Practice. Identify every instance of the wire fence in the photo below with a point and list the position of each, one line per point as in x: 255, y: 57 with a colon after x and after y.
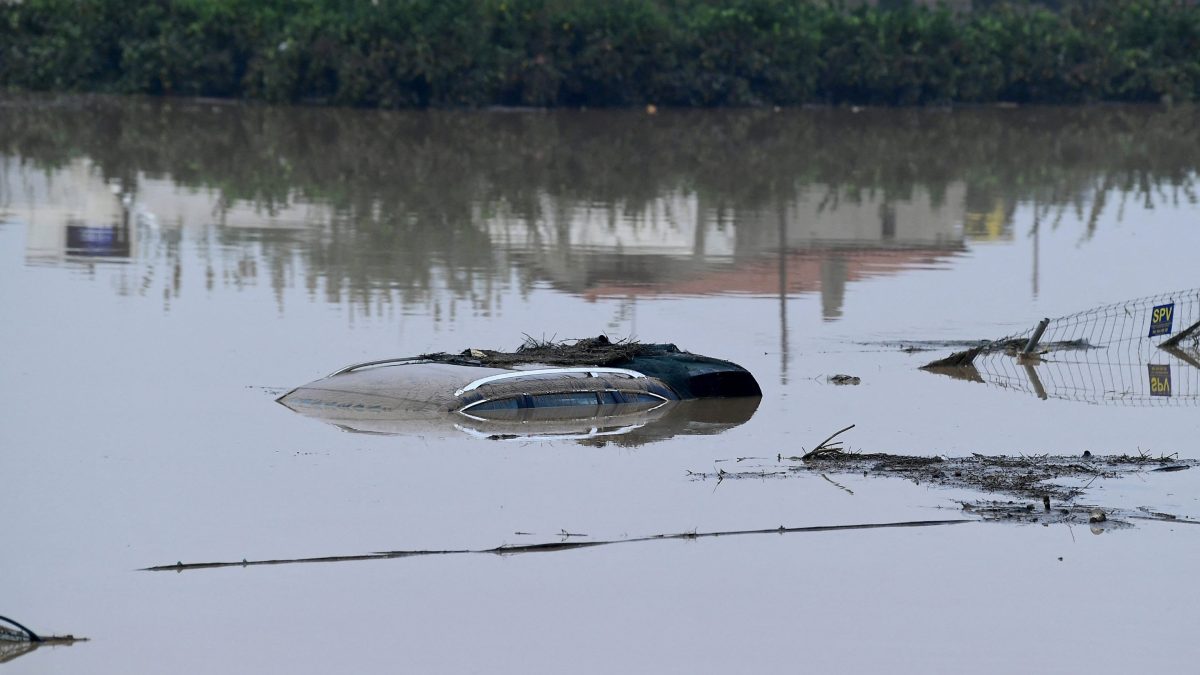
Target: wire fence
x: 1143, y: 352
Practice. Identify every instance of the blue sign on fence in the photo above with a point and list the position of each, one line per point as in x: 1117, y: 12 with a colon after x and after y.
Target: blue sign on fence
x: 1160, y: 380
x: 1160, y: 319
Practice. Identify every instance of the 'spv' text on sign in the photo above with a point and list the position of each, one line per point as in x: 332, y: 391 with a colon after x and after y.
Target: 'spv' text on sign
x: 1160, y: 319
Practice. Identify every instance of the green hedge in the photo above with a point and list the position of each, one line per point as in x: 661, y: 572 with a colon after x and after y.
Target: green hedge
x: 415, y: 53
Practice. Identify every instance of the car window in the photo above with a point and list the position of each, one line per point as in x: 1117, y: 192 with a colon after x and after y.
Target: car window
x: 510, y: 403
x: 573, y: 398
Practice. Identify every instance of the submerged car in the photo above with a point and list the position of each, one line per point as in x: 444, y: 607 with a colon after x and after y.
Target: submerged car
x: 548, y: 391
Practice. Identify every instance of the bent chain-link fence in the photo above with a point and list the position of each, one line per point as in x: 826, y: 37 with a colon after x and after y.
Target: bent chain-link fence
x: 1143, y: 352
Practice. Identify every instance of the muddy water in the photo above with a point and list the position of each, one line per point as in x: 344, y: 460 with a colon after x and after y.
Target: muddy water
x: 167, y: 268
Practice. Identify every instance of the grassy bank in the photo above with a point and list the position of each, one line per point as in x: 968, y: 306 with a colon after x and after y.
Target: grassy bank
x: 415, y: 53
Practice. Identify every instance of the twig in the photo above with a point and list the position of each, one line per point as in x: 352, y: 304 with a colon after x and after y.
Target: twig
x: 824, y: 449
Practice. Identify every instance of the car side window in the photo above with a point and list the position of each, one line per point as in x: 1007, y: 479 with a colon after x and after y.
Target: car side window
x: 572, y: 398
x: 509, y: 403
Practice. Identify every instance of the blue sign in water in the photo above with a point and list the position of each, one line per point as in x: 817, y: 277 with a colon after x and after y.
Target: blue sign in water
x: 1160, y: 319
x: 1160, y: 380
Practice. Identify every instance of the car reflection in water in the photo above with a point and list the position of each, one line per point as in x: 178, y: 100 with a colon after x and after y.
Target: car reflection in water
x: 660, y: 393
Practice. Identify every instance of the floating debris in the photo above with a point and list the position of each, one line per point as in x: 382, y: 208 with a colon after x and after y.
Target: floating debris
x: 1027, y: 514
x: 1036, y: 480
x: 597, y: 351
x: 843, y: 379
x: 1026, y: 476
x: 961, y: 359
x: 1173, y: 467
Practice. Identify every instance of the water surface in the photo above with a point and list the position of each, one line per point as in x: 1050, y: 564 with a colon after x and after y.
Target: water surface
x: 168, y: 267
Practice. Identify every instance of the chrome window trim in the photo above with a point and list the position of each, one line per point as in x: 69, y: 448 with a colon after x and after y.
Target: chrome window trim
x: 590, y: 371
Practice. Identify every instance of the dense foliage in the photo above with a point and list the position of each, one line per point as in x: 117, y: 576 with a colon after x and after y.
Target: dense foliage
x: 405, y: 53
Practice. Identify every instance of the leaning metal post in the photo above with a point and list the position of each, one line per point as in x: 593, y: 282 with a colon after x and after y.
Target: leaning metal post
x: 1037, y: 335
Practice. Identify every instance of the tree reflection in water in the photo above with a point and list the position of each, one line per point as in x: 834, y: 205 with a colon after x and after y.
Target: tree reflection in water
x: 383, y: 209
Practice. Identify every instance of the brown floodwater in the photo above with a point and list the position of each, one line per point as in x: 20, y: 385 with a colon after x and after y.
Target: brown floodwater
x: 167, y: 268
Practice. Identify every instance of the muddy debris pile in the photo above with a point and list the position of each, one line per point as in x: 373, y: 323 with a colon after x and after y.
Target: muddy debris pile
x: 1045, y: 487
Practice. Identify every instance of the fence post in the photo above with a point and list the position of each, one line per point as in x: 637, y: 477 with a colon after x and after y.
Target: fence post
x: 1037, y: 335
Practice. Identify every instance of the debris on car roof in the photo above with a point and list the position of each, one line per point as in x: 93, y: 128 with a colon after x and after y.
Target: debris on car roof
x: 597, y: 351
